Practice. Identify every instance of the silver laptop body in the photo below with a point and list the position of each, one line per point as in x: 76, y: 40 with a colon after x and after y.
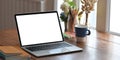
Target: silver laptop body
x: 42, y: 29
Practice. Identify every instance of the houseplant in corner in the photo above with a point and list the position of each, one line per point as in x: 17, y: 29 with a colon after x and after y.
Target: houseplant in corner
x: 87, y: 7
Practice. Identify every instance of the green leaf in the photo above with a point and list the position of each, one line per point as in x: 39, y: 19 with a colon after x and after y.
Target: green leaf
x: 72, y: 4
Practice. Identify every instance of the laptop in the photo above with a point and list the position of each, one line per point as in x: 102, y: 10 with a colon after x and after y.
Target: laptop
x: 40, y: 34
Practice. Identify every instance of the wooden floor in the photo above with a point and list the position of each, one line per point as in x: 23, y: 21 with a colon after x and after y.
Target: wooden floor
x: 97, y: 46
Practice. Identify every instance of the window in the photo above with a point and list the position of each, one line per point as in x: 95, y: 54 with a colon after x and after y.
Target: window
x: 114, y: 17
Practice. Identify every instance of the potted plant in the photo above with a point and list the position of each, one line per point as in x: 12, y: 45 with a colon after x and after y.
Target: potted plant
x: 70, y: 13
x: 87, y: 7
x: 68, y: 16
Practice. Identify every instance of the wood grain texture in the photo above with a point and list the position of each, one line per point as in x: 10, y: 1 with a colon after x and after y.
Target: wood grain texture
x: 9, y: 37
x: 97, y: 46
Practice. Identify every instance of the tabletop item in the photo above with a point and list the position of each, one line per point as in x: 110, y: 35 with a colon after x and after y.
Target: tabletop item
x: 38, y: 31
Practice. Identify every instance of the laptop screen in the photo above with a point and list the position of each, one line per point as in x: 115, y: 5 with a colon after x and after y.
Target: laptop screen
x: 38, y: 28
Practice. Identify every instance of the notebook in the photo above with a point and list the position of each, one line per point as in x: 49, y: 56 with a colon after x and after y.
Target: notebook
x: 40, y: 34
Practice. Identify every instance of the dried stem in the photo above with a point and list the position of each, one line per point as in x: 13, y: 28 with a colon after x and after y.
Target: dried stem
x: 86, y: 22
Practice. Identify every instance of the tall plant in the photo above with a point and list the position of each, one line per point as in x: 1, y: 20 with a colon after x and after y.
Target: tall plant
x: 87, y: 7
x: 68, y: 6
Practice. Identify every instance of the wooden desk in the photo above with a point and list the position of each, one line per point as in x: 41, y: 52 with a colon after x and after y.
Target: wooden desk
x: 97, y: 46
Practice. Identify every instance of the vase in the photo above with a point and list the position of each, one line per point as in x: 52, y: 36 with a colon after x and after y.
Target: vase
x: 71, y: 24
x: 72, y: 20
x: 65, y: 25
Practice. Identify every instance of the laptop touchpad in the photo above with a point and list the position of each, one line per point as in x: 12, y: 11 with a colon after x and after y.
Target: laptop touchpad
x: 52, y: 51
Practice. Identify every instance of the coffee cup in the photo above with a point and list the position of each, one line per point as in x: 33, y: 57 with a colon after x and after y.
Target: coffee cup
x: 82, y: 31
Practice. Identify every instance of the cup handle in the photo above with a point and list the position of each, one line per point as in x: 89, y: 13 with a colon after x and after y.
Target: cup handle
x: 89, y: 32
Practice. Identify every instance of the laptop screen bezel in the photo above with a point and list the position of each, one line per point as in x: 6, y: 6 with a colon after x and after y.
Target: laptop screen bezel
x: 37, y: 13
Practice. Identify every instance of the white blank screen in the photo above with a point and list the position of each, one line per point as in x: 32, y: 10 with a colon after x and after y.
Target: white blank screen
x: 38, y: 28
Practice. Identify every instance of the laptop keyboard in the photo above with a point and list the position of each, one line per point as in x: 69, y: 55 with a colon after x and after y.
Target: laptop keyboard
x: 48, y: 46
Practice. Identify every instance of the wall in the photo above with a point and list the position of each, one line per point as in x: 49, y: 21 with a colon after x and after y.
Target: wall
x: 10, y: 7
x: 49, y: 5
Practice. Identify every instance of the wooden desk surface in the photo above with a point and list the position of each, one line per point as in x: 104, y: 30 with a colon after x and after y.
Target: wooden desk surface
x: 97, y: 46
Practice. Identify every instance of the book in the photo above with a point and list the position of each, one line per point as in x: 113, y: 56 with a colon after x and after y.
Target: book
x: 18, y: 57
x: 12, y: 56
